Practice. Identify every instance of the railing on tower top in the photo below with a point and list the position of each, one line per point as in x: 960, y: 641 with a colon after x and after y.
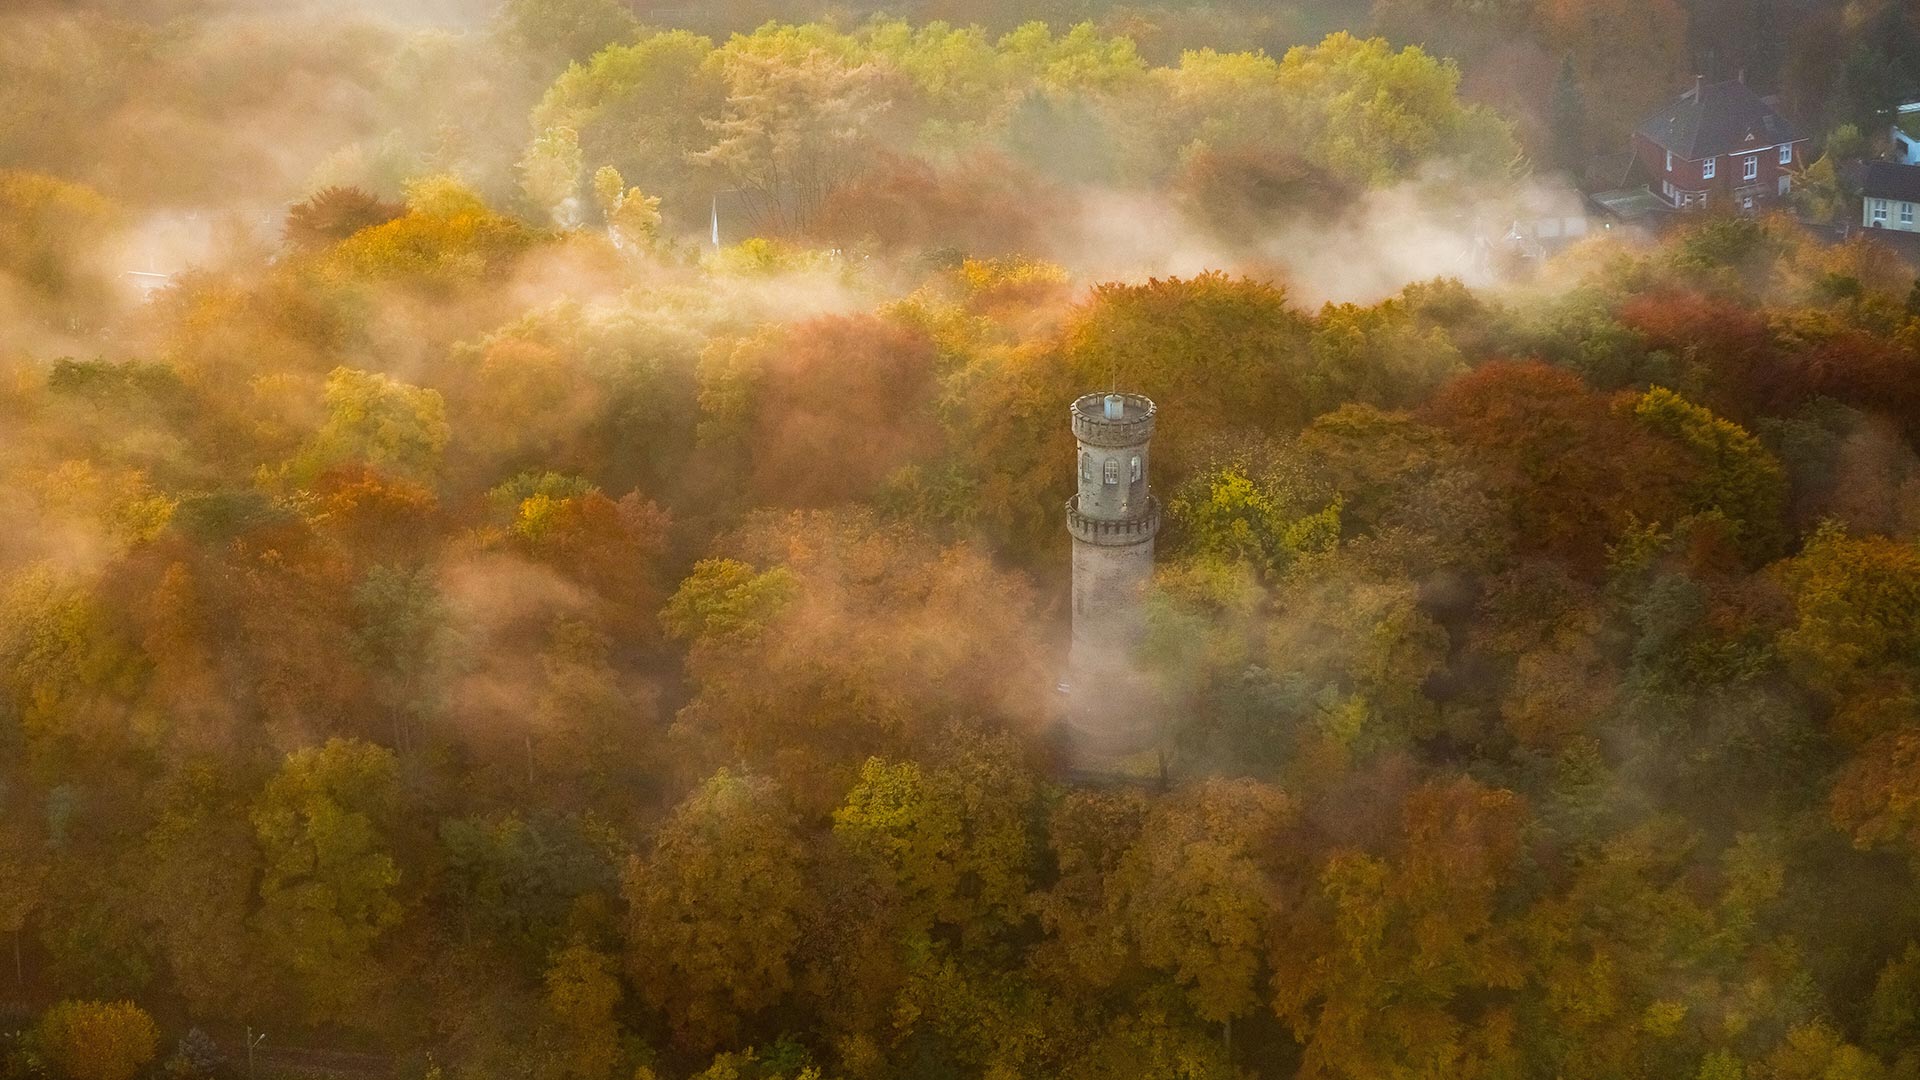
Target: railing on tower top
x: 1133, y: 427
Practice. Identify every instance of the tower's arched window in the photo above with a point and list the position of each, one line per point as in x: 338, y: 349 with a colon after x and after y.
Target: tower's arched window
x: 1113, y: 470
x: 1086, y: 465
x: 1136, y: 469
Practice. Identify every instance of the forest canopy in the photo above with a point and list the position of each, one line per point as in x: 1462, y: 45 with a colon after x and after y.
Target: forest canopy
x: 465, y: 618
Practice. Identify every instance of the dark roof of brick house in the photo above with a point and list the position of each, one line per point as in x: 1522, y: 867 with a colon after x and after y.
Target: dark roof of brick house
x: 1717, y: 118
x: 1890, y: 180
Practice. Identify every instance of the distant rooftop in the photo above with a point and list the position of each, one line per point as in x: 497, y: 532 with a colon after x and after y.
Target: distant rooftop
x: 1717, y: 118
x: 1631, y: 203
x: 1890, y: 180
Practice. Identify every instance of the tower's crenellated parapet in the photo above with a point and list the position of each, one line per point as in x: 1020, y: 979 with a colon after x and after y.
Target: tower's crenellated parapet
x: 1113, y: 518
x: 1097, y: 422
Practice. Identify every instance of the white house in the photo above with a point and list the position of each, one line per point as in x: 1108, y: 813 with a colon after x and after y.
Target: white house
x: 1890, y: 196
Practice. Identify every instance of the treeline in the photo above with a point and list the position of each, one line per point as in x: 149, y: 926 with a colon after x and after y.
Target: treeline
x: 868, y: 130
x: 885, y: 138
x: 899, y: 139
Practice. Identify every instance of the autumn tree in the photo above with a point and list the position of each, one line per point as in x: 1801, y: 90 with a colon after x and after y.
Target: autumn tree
x: 96, y: 1040
x: 1648, y: 912
x: 201, y: 865
x: 332, y: 214
x: 1736, y: 476
x: 1232, y: 351
x: 448, y: 238
x: 798, y: 119
x: 326, y: 892
x: 1404, y: 482
x: 1723, y: 353
x: 1378, y: 355
x: 985, y: 204
x: 1090, y: 835
x: 1198, y: 893
x: 380, y: 422
x: 1225, y: 514
x: 550, y: 173
x: 583, y: 1040
x: 608, y: 547
x: 1572, y: 471
x: 1375, y: 973
x: 716, y: 908
x: 47, y: 228
x: 1854, y: 629
x: 377, y: 518
x: 632, y: 216
x: 513, y: 882
x: 1373, y: 115
x: 640, y: 108
x: 954, y: 839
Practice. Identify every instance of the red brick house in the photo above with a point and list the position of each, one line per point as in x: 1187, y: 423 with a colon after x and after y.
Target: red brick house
x: 1719, y: 144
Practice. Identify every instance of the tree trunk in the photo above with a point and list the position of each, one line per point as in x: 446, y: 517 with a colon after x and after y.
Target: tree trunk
x: 19, y: 970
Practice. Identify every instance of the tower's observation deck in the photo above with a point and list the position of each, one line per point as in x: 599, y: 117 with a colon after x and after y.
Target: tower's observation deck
x: 1093, y: 425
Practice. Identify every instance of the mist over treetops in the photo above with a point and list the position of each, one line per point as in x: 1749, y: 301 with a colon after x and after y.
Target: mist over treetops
x: 536, y: 544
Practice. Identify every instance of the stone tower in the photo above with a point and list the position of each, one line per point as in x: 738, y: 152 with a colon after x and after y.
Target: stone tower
x: 1113, y: 519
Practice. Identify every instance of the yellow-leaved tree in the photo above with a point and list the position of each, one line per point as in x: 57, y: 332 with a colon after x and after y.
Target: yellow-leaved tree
x: 98, y: 1040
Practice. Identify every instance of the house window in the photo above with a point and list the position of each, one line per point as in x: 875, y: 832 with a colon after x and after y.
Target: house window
x: 1786, y: 154
x: 1879, y: 207
x: 1113, y: 470
x: 1669, y: 161
x: 1786, y: 184
x: 1746, y: 203
x: 1906, y: 214
x: 1136, y: 457
x: 1706, y: 171
x: 1753, y: 167
x: 1086, y: 466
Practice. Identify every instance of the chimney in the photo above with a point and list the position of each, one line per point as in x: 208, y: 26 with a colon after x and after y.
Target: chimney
x: 1116, y: 407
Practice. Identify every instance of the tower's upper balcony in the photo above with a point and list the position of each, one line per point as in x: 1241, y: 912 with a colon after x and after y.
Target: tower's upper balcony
x: 1113, y: 419
x: 1123, y: 532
